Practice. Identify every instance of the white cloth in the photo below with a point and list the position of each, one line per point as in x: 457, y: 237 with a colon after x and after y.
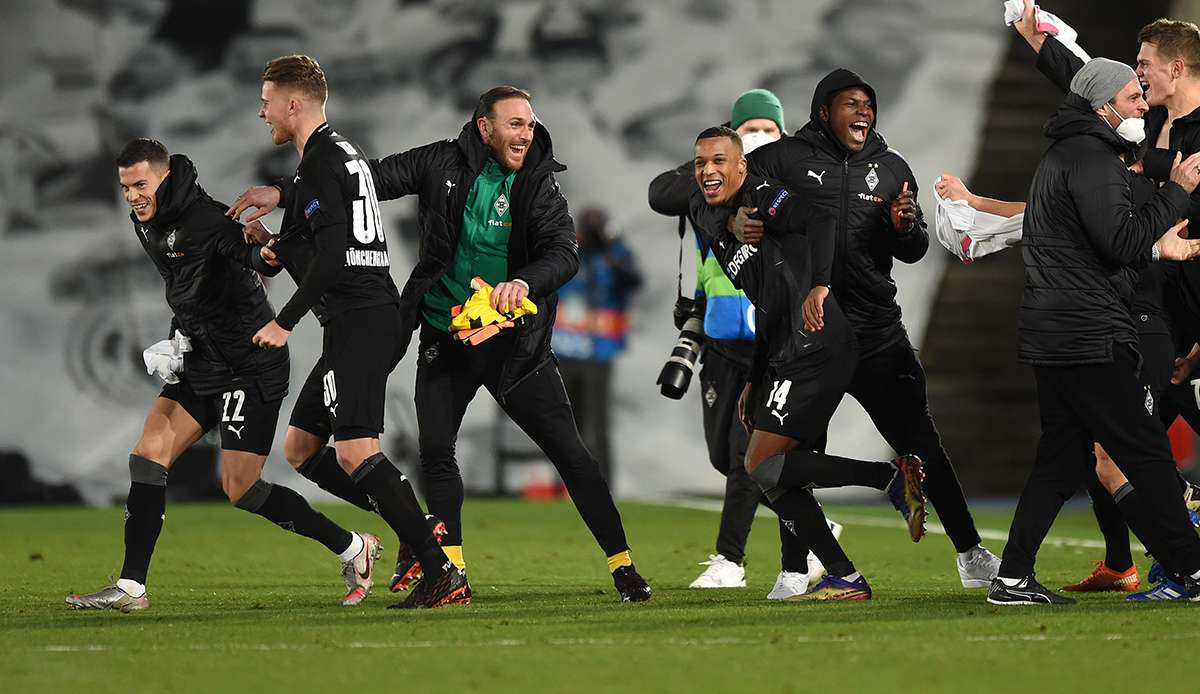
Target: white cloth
x: 968, y: 233
x: 1046, y: 23
x: 165, y: 357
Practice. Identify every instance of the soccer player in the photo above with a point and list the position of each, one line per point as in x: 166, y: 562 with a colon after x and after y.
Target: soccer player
x: 840, y: 163
x: 802, y: 372
x: 333, y: 200
x: 218, y: 302
x: 757, y: 117
x: 489, y: 207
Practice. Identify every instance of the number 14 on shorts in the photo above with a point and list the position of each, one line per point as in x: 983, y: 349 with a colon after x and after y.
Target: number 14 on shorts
x: 777, y: 400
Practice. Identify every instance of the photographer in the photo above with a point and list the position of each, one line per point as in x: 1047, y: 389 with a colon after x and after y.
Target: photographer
x: 724, y: 322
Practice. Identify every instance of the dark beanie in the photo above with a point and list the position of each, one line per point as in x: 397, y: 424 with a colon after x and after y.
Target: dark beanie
x: 756, y: 103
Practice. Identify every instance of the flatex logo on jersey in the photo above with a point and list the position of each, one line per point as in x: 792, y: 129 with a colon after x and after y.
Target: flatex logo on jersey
x: 171, y: 252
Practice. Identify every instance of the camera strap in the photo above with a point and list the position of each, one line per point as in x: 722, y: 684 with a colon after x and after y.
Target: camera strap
x: 682, y: 233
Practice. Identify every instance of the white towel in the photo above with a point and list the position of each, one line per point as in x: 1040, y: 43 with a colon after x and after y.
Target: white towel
x: 1046, y: 23
x: 968, y: 233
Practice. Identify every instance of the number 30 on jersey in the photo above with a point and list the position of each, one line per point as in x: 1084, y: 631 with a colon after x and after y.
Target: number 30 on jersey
x: 366, y: 224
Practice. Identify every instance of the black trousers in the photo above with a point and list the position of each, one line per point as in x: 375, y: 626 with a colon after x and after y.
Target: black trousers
x: 890, y: 385
x: 589, y: 387
x: 448, y: 376
x: 1157, y: 350
x: 1104, y: 403
x: 721, y: 383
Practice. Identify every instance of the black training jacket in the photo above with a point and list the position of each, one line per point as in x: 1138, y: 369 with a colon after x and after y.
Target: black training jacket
x: 1154, y: 299
x: 1081, y: 227
x: 795, y: 255
x: 858, y: 190
x: 212, y: 287
x: 541, y: 248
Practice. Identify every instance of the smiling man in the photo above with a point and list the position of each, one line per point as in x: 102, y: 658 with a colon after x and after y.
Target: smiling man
x: 841, y: 163
x: 214, y: 377
x: 348, y: 284
x: 799, y: 374
x: 489, y: 207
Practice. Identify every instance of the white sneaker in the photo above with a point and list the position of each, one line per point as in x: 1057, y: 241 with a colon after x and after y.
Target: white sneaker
x: 721, y: 573
x: 815, y: 568
x: 359, y: 572
x: 977, y: 567
x: 790, y: 585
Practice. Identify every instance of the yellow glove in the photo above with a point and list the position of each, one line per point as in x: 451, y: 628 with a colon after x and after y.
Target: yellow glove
x: 475, y: 320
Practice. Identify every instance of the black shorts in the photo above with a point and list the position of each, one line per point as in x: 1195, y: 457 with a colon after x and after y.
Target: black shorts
x: 344, y: 393
x: 246, y: 422
x: 800, y: 403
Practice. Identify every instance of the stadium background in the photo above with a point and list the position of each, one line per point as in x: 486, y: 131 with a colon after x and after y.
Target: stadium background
x: 623, y: 87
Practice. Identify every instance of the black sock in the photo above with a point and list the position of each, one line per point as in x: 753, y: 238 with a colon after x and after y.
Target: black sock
x: 290, y: 511
x: 793, y: 551
x: 803, y: 468
x: 1117, y: 555
x: 323, y: 469
x: 397, y: 504
x: 144, y: 509
x: 802, y: 515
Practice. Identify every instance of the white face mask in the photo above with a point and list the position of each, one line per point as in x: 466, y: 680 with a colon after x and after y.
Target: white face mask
x: 753, y: 140
x: 1129, y: 129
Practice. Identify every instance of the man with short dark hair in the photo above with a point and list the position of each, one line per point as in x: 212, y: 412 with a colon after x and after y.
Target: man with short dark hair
x: 729, y: 329
x: 214, y: 376
x: 489, y: 208
x: 332, y: 207
x: 802, y: 371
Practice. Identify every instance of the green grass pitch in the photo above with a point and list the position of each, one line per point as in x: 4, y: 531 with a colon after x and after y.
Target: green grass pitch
x: 238, y: 605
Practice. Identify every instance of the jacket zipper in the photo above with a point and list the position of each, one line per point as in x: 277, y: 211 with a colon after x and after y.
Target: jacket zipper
x: 839, y: 252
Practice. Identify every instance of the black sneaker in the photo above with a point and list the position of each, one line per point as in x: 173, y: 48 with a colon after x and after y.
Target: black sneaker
x: 907, y: 494
x: 631, y: 586
x: 1027, y: 592
x: 408, y: 567
x: 451, y: 588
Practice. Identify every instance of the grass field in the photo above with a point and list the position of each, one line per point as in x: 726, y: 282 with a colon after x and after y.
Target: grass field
x: 237, y: 605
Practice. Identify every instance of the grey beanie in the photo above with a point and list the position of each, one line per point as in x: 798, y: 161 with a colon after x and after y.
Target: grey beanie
x: 1100, y: 79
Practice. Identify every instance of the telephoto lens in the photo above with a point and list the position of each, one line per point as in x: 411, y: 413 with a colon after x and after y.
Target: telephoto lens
x: 676, y: 374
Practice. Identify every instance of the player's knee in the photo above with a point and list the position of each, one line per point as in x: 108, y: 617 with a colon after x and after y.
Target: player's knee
x: 297, y: 451
x: 235, y: 485
x: 153, y: 447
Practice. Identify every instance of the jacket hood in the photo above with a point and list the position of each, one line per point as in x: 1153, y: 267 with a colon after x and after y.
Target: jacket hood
x: 176, y: 193
x: 830, y: 84
x: 1075, y: 117
x: 541, y: 150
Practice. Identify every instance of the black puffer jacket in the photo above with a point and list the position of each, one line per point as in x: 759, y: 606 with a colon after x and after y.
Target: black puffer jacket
x: 858, y: 190
x: 1081, y: 227
x: 541, y: 247
x: 211, y: 287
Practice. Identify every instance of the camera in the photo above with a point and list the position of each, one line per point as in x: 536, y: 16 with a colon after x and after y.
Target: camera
x: 676, y: 374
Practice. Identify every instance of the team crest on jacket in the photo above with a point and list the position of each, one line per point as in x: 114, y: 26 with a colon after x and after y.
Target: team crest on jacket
x: 710, y: 395
x: 431, y: 353
x: 171, y: 239
x: 1149, y: 401
x: 501, y: 205
x: 872, y: 177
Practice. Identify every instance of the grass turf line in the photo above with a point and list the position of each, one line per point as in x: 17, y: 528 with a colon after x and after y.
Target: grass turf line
x: 236, y: 603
